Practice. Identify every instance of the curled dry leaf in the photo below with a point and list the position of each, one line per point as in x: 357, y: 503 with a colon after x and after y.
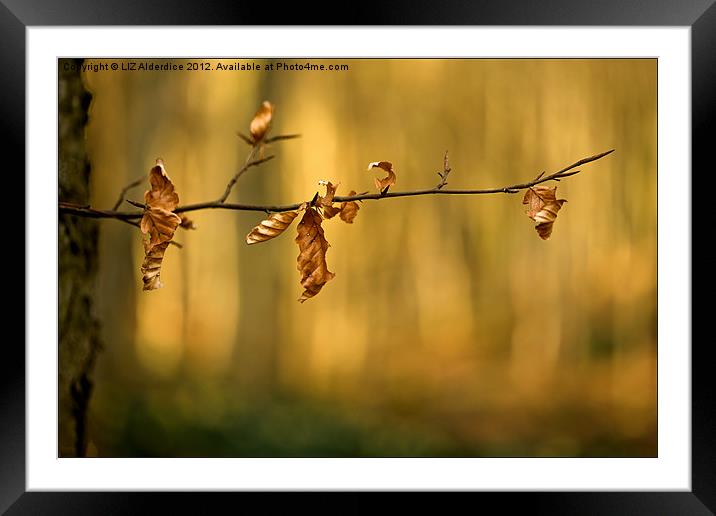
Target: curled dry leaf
x: 542, y: 207
x: 312, y: 246
x: 161, y: 192
x: 349, y: 209
x: 271, y: 227
x: 326, y: 203
x: 383, y: 184
x: 331, y: 211
x: 327, y: 200
x: 151, y: 267
x: 159, y: 222
x: 261, y: 122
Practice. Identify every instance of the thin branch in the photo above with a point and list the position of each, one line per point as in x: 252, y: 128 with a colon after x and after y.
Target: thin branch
x: 444, y: 174
x: 282, y: 137
x: 124, y: 191
x: 137, y: 204
x: 70, y: 208
x: 250, y: 141
x: 249, y: 163
x: 85, y: 211
x: 247, y: 139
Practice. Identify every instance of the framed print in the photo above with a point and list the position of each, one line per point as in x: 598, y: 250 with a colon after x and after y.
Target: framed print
x: 365, y: 258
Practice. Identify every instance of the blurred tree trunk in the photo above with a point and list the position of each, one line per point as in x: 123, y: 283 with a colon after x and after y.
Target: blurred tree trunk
x: 78, y: 327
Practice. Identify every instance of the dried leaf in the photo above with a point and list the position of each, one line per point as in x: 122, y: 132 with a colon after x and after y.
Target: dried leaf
x: 271, y: 227
x: 385, y: 165
x: 312, y: 246
x: 159, y: 222
x: 152, y: 264
x: 383, y: 184
x: 261, y: 123
x: 331, y: 211
x: 535, y: 198
x: 330, y: 193
x: 349, y: 209
x: 542, y: 207
x: 326, y: 202
x: 161, y: 194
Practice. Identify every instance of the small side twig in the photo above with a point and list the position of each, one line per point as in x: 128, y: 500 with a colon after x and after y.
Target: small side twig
x: 445, y: 172
x: 253, y: 143
x: 137, y: 204
x: 282, y: 137
x: 124, y: 191
x: 239, y: 173
x: 247, y: 139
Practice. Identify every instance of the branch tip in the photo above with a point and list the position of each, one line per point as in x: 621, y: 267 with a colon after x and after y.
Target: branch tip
x: 137, y: 204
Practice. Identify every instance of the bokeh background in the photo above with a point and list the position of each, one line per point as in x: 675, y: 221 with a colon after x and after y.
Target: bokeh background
x: 451, y: 328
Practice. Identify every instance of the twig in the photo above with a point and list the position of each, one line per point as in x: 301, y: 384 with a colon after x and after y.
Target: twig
x: 445, y: 172
x: 137, y: 204
x: 131, y: 185
x: 87, y: 211
x: 249, y: 163
x: 250, y: 141
x: 282, y: 137
x: 69, y: 208
x: 90, y: 212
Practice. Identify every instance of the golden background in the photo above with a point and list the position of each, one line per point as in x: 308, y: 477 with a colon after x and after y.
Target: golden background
x: 450, y: 329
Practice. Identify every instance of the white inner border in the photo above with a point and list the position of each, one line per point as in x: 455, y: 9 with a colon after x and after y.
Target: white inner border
x: 670, y: 471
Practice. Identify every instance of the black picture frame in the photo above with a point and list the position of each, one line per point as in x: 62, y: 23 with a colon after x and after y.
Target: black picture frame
x: 17, y: 15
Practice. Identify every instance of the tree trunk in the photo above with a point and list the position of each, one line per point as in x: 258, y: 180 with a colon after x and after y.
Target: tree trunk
x: 77, y: 249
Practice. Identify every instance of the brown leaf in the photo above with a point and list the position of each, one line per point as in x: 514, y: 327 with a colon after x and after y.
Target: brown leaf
x: 383, y: 184
x: 312, y: 246
x: 349, y: 209
x: 330, y: 193
x: 152, y: 264
x: 159, y: 222
x: 161, y: 194
x: 271, y: 227
x: 385, y: 165
x: 261, y: 123
x: 331, y: 211
x: 326, y: 203
x: 542, y: 207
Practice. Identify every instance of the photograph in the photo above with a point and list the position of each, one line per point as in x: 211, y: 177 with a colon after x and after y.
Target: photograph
x: 357, y: 257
